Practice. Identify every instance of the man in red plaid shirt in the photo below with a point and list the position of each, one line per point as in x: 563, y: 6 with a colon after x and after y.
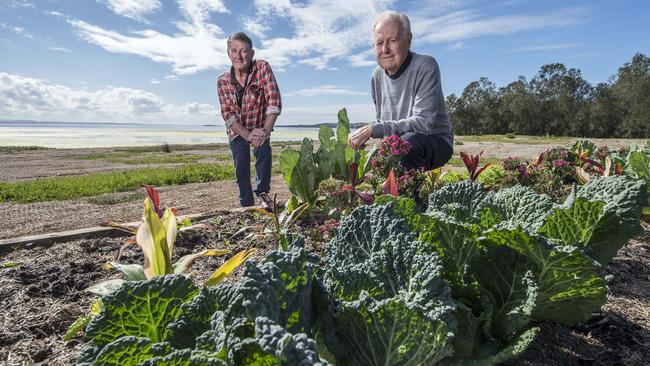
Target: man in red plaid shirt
x: 250, y: 104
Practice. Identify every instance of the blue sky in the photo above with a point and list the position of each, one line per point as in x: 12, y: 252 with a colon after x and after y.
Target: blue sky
x: 156, y: 61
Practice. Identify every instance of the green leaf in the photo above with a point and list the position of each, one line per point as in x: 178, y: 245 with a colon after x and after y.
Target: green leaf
x: 230, y: 265
x: 587, y: 226
x: 389, y: 332
x: 382, y: 276
x: 186, y: 261
x: 460, y: 201
x: 141, y: 309
x: 343, y: 127
x: 570, y: 288
x: 280, y: 289
x: 106, y: 288
x: 125, y: 351
x: 288, y: 161
x: 131, y: 272
x: 77, y: 326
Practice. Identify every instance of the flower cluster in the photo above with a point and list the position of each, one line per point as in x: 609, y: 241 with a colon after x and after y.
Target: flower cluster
x: 389, y: 152
x: 328, y: 228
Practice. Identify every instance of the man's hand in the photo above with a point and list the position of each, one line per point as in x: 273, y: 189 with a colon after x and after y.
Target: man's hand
x: 257, y: 137
x: 357, y: 140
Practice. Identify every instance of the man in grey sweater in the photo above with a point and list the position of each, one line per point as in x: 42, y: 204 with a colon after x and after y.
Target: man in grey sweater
x: 408, y: 97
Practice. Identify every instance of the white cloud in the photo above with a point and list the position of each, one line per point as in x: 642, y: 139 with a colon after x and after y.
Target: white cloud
x: 466, y: 24
x: 363, y: 59
x: 320, y: 31
x: 324, y: 90
x: 133, y: 9
x: 28, y: 98
x: 549, y: 47
x: 154, y: 81
x: 457, y: 46
x: 59, y: 49
x: 199, y: 46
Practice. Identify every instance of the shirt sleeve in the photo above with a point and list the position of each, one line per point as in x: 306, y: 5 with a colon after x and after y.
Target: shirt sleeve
x: 272, y: 90
x: 227, y: 103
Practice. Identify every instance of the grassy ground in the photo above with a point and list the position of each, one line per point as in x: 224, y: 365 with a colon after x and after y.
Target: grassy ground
x: 64, y: 188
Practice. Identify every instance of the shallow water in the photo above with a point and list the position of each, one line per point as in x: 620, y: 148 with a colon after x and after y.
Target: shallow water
x: 77, y: 135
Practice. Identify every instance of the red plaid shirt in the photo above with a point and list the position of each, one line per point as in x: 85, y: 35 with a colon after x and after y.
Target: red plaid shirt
x: 261, y: 97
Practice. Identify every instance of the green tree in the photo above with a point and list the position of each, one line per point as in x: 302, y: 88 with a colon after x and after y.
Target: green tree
x: 632, y: 88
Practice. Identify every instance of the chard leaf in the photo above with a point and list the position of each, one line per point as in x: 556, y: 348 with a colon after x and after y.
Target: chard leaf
x: 230, y: 265
x: 186, y: 261
x: 288, y: 161
x: 343, y: 127
x: 570, y: 288
x: 106, y: 288
x: 131, y: 272
x: 325, y: 155
x: 141, y: 309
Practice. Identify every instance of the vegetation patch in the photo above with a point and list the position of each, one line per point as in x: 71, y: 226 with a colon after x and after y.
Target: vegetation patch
x: 64, y: 188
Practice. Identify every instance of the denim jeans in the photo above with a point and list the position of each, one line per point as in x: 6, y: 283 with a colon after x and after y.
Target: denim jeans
x: 241, y: 155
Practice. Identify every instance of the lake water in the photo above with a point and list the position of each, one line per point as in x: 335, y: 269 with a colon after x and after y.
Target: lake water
x: 76, y: 135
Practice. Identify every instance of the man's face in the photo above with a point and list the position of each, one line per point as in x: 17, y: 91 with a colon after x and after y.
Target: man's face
x: 240, y: 55
x: 391, y: 46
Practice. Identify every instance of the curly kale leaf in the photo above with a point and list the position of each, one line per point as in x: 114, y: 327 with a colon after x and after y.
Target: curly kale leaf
x: 197, y: 313
x: 281, y: 289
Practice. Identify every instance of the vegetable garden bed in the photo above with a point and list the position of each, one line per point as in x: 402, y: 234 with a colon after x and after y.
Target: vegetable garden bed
x: 42, y: 294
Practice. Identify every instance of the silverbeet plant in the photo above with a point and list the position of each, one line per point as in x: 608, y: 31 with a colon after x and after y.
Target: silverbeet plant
x: 156, y: 237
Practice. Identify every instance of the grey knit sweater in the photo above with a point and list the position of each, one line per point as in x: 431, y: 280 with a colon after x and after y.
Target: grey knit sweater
x: 412, y: 102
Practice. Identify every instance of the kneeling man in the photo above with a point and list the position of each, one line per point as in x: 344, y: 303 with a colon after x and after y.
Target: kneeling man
x: 408, y: 97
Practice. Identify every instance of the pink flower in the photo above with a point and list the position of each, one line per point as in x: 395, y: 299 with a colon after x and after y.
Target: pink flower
x: 560, y: 163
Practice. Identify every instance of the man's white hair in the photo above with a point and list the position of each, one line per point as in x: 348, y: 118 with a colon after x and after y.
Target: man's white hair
x: 393, y: 16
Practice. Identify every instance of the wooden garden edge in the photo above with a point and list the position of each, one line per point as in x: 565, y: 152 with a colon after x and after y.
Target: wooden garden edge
x: 32, y: 241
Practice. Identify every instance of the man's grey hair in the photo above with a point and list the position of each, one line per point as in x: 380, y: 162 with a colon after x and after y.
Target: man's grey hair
x: 394, y: 16
x: 242, y: 37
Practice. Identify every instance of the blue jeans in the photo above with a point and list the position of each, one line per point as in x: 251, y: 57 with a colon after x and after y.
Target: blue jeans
x: 241, y: 155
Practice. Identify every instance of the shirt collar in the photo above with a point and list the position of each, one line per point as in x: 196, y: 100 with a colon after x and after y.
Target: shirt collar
x: 233, y: 78
x: 402, y: 68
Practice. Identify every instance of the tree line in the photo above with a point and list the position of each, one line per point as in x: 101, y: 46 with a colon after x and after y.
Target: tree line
x: 559, y: 102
